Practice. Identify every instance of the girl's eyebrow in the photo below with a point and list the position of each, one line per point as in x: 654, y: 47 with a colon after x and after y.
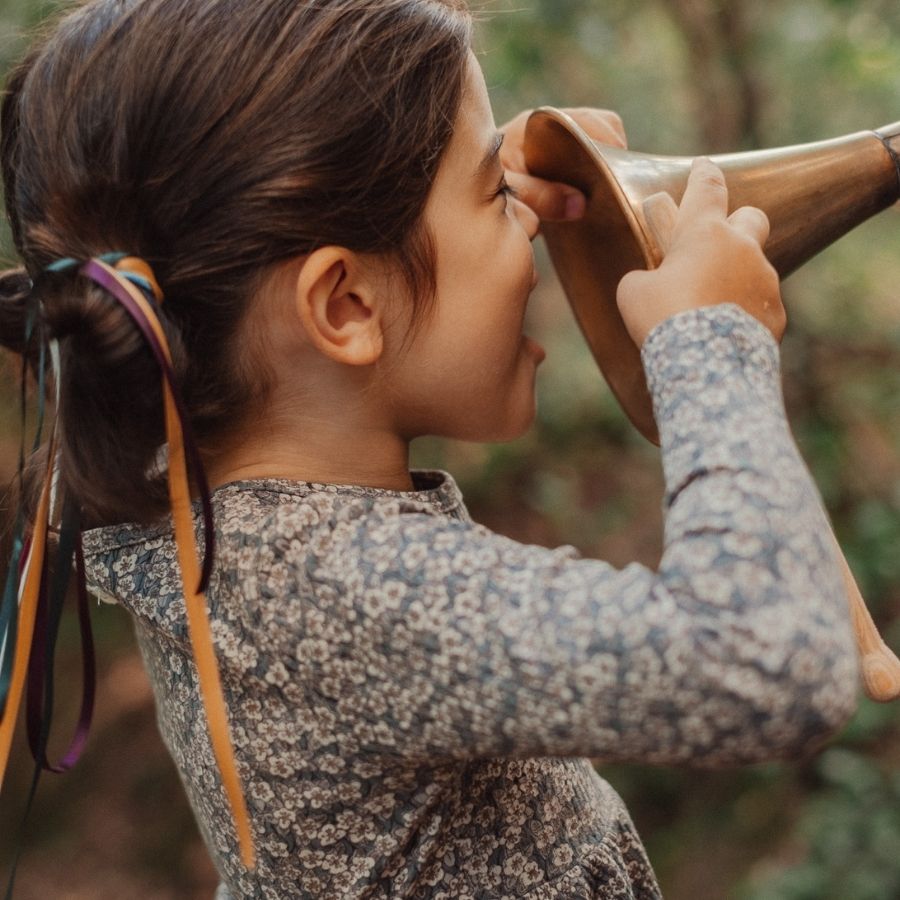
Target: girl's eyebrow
x: 490, y: 156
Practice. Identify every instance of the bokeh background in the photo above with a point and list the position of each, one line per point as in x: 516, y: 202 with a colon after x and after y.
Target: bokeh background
x: 687, y: 76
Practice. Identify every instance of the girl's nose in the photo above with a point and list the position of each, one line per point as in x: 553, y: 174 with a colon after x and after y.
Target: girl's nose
x: 528, y: 219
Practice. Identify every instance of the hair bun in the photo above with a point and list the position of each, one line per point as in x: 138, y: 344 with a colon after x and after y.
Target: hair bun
x: 15, y: 289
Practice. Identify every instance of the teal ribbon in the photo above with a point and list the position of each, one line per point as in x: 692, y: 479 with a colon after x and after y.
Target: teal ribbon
x: 9, y: 611
x: 68, y: 262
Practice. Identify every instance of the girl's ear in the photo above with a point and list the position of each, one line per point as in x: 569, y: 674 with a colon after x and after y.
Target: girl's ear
x: 339, y: 306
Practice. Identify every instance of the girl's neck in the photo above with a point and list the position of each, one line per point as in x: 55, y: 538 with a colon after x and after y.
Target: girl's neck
x: 326, y: 456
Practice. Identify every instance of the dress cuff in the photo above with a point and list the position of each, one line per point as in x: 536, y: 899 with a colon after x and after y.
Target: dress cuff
x: 697, y: 349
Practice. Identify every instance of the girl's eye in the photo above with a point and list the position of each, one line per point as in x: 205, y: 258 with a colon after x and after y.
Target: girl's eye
x: 506, y: 191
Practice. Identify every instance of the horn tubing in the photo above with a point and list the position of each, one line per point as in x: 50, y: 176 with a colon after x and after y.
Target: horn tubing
x: 886, y: 141
x: 591, y: 256
x: 880, y: 668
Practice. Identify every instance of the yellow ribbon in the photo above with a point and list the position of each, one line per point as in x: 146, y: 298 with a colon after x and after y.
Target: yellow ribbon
x: 188, y: 562
x: 27, y: 612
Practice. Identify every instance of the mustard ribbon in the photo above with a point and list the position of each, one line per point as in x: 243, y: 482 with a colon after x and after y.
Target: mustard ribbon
x: 187, y: 553
x: 29, y: 593
x: 188, y: 562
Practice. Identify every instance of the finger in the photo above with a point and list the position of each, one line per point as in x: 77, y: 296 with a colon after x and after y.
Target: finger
x: 602, y: 125
x: 706, y: 193
x: 512, y: 152
x: 661, y: 214
x: 551, y: 200
x: 618, y: 127
x: 753, y: 222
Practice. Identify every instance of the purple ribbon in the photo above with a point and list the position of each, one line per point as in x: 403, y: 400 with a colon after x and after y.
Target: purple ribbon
x: 110, y: 283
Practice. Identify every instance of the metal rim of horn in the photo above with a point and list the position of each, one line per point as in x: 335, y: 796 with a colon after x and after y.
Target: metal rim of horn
x: 812, y: 193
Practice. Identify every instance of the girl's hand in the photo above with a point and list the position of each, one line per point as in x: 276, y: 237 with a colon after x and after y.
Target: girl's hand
x: 709, y: 258
x: 550, y: 199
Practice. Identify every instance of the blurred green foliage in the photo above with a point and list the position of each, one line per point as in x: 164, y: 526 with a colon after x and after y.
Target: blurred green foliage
x: 703, y: 76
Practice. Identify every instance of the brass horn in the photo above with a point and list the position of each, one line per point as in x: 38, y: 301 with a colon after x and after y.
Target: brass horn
x: 812, y: 193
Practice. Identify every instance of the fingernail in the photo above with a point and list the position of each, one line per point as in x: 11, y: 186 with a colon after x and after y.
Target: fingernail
x: 575, y: 205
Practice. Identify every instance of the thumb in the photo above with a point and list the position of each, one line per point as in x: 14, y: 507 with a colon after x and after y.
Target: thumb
x: 661, y: 214
x: 550, y: 200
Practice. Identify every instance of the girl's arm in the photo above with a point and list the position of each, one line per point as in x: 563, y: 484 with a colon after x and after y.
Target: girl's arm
x: 440, y: 639
x: 436, y: 638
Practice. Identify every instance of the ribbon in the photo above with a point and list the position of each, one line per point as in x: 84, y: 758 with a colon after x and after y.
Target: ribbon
x: 178, y: 436
x: 35, y: 622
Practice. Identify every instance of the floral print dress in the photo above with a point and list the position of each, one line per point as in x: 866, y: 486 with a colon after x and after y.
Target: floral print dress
x: 414, y: 698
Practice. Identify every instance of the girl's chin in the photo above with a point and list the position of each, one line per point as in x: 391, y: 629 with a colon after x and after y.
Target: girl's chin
x: 518, y: 427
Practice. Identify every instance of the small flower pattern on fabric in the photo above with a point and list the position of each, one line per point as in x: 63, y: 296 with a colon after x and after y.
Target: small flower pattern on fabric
x: 414, y: 698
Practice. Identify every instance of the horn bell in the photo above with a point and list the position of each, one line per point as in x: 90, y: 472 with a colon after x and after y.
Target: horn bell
x: 812, y: 193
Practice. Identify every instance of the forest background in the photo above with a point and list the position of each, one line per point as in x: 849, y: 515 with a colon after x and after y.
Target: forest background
x: 688, y: 77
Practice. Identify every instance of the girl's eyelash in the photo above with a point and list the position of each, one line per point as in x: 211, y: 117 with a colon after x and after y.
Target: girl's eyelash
x: 506, y: 188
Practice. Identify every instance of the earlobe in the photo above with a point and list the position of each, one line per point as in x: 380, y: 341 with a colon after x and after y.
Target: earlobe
x: 337, y: 307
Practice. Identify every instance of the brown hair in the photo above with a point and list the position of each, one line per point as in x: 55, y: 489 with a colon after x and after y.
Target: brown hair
x: 215, y: 139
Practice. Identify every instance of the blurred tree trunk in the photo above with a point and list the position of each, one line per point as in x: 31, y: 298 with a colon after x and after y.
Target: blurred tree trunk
x: 719, y: 38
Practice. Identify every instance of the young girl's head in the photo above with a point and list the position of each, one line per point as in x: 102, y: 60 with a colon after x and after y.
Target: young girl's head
x: 313, y: 185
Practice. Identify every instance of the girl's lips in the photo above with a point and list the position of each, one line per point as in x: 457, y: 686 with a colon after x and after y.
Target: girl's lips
x: 532, y: 345
x: 534, y: 348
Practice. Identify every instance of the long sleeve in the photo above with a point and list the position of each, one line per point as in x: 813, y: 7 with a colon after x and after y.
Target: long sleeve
x: 428, y: 638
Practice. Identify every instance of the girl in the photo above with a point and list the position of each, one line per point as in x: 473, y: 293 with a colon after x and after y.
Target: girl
x: 325, y: 261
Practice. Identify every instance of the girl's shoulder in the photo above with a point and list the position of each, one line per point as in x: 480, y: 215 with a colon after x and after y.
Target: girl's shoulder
x: 255, y: 520
x: 251, y: 506
x: 259, y: 522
